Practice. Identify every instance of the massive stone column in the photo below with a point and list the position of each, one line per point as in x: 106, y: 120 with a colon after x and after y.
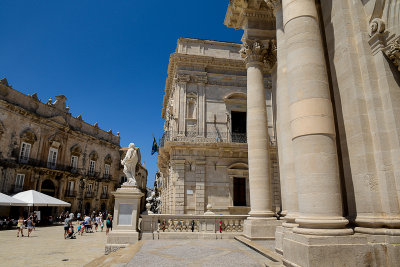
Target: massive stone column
x: 254, y: 51
x: 312, y: 123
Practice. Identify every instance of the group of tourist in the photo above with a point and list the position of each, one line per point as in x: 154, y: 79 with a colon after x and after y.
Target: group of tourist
x: 29, y: 223
x: 86, y: 224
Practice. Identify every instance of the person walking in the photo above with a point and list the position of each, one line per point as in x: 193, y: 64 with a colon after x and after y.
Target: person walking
x: 108, y: 223
x: 66, y: 226
x: 20, y: 226
x: 29, y: 224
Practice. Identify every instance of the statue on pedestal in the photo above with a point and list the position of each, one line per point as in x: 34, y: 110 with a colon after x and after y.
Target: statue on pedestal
x: 130, y: 162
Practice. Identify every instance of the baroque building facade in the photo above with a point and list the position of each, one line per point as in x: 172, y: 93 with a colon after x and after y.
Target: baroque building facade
x: 203, y: 154
x: 335, y: 69
x: 44, y: 148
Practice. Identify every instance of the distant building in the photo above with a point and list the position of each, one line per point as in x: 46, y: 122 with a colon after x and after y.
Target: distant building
x: 42, y: 147
x: 203, y: 154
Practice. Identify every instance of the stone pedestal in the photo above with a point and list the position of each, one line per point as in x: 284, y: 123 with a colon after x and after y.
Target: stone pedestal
x: 260, y: 228
x: 351, y: 250
x: 126, y: 215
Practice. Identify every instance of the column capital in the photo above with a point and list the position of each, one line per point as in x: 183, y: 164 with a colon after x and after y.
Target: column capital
x: 274, y: 5
x: 259, y: 51
x: 392, y: 51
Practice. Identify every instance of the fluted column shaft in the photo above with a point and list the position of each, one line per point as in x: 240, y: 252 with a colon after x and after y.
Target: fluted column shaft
x: 312, y: 123
x: 257, y: 132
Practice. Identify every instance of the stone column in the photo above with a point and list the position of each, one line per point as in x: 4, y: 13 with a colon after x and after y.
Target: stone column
x: 312, y: 123
x: 284, y: 138
x: 253, y: 51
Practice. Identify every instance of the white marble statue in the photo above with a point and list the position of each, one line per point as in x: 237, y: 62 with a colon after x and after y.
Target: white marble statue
x: 129, y: 162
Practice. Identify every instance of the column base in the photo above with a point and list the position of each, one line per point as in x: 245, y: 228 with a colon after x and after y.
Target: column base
x: 119, y: 239
x: 352, y: 250
x: 260, y: 228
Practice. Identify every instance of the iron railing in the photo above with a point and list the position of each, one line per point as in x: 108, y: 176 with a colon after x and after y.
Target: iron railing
x: 207, y: 137
x: 70, y: 193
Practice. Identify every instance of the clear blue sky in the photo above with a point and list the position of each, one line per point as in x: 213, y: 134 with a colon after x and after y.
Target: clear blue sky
x: 109, y: 58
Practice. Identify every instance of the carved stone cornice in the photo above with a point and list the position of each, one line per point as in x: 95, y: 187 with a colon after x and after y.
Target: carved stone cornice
x: 256, y: 51
x: 182, y: 78
x: 239, y: 11
x: 392, y: 51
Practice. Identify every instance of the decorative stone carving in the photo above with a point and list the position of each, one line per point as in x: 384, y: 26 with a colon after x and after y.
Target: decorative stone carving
x: 3, y: 87
x: 129, y: 162
x: 200, y: 79
x: 28, y: 136
x: 93, y: 155
x: 76, y: 150
x: 182, y: 78
x: 259, y: 51
x: 108, y: 159
x: 274, y: 4
x: 393, y: 52
x: 377, y: 25
x: 253, y: 51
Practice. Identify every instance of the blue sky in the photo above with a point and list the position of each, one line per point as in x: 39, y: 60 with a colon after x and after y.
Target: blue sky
x: 109, y: 58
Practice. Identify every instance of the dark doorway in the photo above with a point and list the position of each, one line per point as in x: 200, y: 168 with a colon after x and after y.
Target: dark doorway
x: 103, y: 206
x: 239, y: 191
x: 87, y: 208
x: 238, y: 127
x: 48, y: 188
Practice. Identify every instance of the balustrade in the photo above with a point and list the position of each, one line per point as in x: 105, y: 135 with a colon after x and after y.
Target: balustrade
x: 192, y: 223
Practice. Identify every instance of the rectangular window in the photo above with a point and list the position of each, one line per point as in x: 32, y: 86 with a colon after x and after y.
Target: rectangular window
x: 106, y: 170
x: 105, y: 189
x: 19, y: 181
x: 89, y: 188
x: 239, y: 191
x: 52, y: 160
x: 74, y: 162
x: 71, y: 186
x: 92, y: 167
x: 24, y: 153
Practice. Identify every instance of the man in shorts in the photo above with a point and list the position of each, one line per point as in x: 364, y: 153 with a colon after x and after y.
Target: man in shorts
x: 66, y: 226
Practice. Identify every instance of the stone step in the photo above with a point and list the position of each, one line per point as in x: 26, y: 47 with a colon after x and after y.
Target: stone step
x: 273, y: 259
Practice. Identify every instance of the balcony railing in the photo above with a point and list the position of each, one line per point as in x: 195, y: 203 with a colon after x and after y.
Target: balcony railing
x: 92, y: 174
x: 89, y: 195
x: 70, y: 193
x: 107, y: 177
x: 208, y: 137
x: 104, y: 196
x: 48, y: 165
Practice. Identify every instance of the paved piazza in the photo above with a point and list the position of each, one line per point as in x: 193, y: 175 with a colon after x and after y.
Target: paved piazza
x: 196, y: 253
x: 47, y: 247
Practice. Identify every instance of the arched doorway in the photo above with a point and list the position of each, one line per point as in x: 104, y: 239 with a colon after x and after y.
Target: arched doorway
x: 103, y: 206
x: 48, y: 188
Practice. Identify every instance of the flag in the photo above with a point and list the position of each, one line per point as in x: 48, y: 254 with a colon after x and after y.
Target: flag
x: 154, y: 148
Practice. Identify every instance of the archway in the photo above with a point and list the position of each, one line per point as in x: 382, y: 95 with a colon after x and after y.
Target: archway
x: 48, y: 188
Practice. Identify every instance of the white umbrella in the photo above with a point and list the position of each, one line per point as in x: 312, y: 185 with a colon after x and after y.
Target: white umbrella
x: 10, y: 201
x: 35, y: 198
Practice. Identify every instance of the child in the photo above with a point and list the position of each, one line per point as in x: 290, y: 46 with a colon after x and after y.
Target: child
x: 80, y: 229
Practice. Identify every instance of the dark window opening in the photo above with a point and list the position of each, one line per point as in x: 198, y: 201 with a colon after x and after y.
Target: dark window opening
x: 239, y: 191
x: 238, y: 127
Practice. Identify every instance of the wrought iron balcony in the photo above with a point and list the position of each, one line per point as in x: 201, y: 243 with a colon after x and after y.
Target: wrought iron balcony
x: 208, y: 137
x: 104, y: 196
x: 70, y: 193
x: 89, y: 195
x: 49, y: 165
x: 15, y: 188
x: 107, y: 177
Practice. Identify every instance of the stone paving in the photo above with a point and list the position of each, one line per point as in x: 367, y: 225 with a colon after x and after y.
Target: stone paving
x: 47, y: 247
x: 196, y: 253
